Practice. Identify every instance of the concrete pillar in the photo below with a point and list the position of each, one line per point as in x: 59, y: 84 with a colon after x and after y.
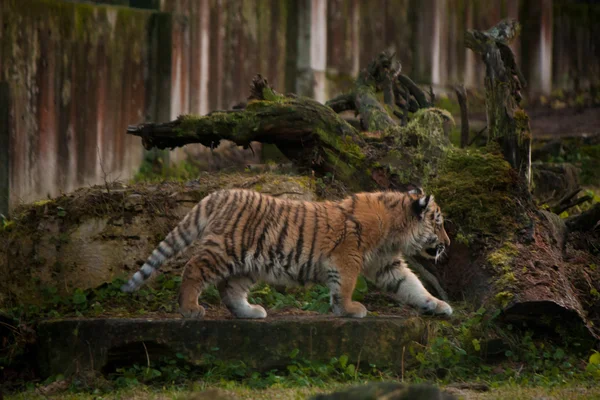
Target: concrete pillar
x: 470, y: 77
x: 199, y: 16
x: 312, y: 49
x: 439, y: 48
x: 536, y: 45
x: 545, y: 56
x: 4, y: 147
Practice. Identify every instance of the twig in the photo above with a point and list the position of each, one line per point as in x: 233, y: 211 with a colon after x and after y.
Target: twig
x: 566, y: 198
x: 577, y: 202
x: 431, y: 96
x: 9, y: 326
x: 477, y: 135
x: 341, y: 103
x: 585, y: 221
x: 402, y: 365
x: 414, y: 90
x: 104, y: 174
x: 147, y: 358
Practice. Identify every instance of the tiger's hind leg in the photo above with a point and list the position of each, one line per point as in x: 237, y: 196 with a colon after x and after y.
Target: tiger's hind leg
x: 198, y: 273
x: 234, y: 294
x: 341, y: 287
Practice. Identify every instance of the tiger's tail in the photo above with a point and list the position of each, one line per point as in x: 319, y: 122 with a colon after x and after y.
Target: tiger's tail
x: 180, y: 238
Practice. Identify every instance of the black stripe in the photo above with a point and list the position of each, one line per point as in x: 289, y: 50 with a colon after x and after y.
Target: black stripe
x: 267, y: 227
x: 244, y: 242
x: 217, y: 258
x: 261, y: 222
x: 197, y: 217
x: 273, y: 247
x: 394, y: 203
x: 353, y: 205
x: 314, y: 240
x: 300, y: 277
x: 183, y: 236
x: 394, y: 287
x: 388, y: 268
x: 210, y: 202
x: 333, y: 277
x: 301, y: 235
x: 229, y: 244
x: 211, y: 243
x: 214, y: 269
x: 162, y: 251
x: 357, y: 230
x: 222, y: 215
x: 171, y: 241
x: 231, y: 268
x: 284, y: 231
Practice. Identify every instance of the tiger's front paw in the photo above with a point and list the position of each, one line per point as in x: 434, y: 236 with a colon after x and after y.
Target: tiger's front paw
x: 436, y: 306
x: 443, y: 308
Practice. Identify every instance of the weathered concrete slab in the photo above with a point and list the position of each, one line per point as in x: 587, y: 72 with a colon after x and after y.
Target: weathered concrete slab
x: 79, y: 345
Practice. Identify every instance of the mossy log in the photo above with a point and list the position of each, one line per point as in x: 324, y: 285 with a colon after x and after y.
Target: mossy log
x: 507, y: 122
x: 313, y: 135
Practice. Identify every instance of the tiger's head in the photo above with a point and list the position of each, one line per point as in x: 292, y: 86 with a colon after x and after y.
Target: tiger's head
x: 430, y: 239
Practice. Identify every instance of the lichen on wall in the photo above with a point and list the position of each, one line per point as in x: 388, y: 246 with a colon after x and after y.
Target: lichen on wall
x: 76, y: 73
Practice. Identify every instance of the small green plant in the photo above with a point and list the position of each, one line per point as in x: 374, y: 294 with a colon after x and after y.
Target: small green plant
x: 298, y: 372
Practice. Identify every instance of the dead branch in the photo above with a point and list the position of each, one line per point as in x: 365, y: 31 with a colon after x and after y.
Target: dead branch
x: 341, y: 103
x: 586, y: 221
x: 507, y: 122
x: 461, y: 95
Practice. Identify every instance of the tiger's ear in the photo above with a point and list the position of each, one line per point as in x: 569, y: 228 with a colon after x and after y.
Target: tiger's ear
x: 420, y: 206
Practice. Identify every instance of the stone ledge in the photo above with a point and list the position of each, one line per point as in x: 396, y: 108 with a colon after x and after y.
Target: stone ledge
x: 74, y: 346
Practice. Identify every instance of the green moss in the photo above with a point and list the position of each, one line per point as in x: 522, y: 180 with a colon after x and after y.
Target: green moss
x: 270, y: 95
x: 503, y: 256
x: 504, y: 298
x: 475, y: 190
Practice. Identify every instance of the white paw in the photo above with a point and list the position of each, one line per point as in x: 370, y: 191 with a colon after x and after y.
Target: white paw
x: 429, y: 305
x: 443, y: 308
x: 439, y: 307
x: 252, y: 311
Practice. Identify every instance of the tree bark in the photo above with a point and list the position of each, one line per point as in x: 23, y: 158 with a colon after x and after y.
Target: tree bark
x: 461, y: 96
x: 507, y: 122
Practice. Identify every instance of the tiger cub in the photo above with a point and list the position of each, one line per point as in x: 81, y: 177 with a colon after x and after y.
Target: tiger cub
x: 246, y: 237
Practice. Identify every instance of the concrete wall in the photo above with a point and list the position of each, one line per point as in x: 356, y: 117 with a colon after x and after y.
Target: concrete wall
x: 558, y: 48
x: 217, y: 48
x: 76, y: 77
